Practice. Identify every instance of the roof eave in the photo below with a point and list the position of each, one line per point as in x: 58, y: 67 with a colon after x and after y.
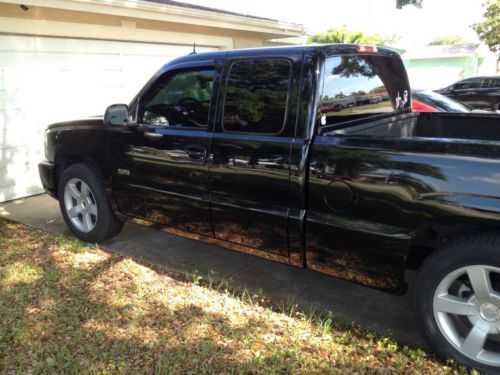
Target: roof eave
x: 172, y: 13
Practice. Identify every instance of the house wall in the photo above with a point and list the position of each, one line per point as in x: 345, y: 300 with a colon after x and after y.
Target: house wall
x: 435, y: 73
x: 44, y: 21
x: 468, y: 63
x: 105, y: 49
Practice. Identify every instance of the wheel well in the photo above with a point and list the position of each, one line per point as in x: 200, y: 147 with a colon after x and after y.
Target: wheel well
x: 431, y: 236
x: 64, y: 161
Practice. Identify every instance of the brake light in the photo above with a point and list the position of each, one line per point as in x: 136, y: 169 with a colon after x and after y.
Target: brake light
x: 417, y: 106
x: 362, y: 48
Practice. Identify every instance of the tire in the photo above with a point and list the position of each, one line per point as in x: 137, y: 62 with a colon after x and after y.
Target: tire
x: 85, y: 206
x: 456, y: 302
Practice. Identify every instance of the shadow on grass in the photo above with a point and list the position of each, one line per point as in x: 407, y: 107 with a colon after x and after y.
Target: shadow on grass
x: 70, y: 312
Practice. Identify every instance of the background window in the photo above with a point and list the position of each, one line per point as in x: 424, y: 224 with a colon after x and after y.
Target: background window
x: 491, y: 83
x: 470, y: 84
x: 256, y: 96
x: 182, y: 99
x: 361, y: 86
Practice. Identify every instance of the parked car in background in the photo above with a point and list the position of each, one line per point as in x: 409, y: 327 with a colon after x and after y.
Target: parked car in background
x: 430, y: 101
x: 331, y: 108
x: 477, y: 92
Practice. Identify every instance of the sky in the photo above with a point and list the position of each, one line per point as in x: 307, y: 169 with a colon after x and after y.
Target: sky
x: 414, y: 26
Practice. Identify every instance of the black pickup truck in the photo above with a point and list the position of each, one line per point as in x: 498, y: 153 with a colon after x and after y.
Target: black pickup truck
x: 311, y: 156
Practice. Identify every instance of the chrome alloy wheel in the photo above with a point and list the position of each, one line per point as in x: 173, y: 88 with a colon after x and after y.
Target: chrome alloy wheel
x: 467, y: 311
x: 80, y: 205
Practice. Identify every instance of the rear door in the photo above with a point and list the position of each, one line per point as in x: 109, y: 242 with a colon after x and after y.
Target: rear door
x: 160, y: 167
x: 250, y: 150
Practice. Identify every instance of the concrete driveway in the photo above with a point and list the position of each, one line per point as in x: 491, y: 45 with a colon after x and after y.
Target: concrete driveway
x: 371, y: 309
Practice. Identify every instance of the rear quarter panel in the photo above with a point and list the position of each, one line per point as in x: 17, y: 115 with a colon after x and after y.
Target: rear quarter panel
x: 368, y: 197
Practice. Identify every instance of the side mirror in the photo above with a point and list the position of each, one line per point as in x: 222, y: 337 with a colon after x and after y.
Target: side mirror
x: 116, y: 114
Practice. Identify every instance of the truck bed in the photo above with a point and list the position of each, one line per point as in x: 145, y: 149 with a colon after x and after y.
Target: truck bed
x: 445, y: 126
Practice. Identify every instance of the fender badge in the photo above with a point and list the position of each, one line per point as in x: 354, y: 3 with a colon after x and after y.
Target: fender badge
x: 123, y: 172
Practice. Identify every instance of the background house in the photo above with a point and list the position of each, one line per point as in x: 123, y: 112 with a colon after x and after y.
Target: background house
x: 433, y: 67
x: 65, y: 59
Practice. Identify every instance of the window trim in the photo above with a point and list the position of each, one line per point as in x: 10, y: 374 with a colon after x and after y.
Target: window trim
x: 287, y: 104
x: 176, y: 69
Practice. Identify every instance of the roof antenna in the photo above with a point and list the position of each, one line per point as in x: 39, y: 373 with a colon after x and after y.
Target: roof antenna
x: 194, y: 49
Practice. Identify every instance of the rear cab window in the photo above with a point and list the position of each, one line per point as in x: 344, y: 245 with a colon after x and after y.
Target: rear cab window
x: 361, y: 86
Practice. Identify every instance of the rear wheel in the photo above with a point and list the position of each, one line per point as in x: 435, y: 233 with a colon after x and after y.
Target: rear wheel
x: 85, y: 206
x: 457, y: 302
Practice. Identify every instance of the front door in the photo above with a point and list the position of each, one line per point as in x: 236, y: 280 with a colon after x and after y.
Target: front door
x: 250, y: 151
x: 160, y: 166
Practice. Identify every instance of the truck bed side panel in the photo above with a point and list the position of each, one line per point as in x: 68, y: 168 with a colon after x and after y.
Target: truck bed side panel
x: 368, y: 196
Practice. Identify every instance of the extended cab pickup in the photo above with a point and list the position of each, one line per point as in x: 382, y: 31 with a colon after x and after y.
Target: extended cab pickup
x: 245, y: 148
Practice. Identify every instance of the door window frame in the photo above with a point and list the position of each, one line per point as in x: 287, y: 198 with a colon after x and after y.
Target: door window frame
x: 171, y: 71
x: 229, y: 65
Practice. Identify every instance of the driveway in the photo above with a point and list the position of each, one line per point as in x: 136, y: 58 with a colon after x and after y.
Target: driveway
x: 371, y: 309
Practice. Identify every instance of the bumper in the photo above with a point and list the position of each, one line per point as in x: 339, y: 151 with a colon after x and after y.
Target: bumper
x: 47, y: 172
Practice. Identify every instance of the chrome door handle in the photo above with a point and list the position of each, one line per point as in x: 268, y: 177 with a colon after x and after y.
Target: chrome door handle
x: 153, y: 135
x: 196, y: 152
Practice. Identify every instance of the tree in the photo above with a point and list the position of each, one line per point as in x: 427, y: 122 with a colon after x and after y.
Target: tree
x: 343, y: 35
x: 448, y: 40
x: 489, y: 30
x: 402, y: 3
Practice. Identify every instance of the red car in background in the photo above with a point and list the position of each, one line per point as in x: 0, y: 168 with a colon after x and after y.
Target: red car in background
x: 430, y: 101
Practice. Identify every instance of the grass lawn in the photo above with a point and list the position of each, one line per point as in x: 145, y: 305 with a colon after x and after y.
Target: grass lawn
x: 66, y: 307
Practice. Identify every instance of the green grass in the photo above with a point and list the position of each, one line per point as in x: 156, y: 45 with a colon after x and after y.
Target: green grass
x: 68, y: 308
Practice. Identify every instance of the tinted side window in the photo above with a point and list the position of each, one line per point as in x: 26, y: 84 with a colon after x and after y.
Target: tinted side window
x: 182, y: 99
x: 360, y: 86
x: 491, y: 83
x: 470, y: 84
x: 256, y: 96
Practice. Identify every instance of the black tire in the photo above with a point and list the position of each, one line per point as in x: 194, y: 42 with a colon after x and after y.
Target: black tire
x: 476, y: 250
x: 106, y: 224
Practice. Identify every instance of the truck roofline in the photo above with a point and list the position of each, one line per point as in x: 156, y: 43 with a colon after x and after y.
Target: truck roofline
x: 326, y: 49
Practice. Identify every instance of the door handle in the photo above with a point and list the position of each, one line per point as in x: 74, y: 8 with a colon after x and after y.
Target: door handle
x: 153, y: 135
x: 196, y: 152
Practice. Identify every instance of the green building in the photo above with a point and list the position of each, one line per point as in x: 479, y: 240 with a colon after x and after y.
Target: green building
x: 432, y: 67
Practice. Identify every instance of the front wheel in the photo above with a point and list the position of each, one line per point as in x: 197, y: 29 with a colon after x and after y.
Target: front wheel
x: 457, y: 302
x: 85, y: 206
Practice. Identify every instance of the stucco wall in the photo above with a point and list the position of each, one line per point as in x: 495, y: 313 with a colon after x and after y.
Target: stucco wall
x: 469, y: 64
x: 66, y: 23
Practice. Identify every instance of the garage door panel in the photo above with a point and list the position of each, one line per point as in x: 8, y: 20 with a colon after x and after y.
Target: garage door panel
x: 16, y: 172
x: 66, y: 46
x: 46, y: 80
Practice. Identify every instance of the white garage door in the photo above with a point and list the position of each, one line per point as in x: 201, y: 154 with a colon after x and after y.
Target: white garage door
x: 45, y: 80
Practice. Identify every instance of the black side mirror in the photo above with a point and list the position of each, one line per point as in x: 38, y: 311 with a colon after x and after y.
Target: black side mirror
x: 116, y: 114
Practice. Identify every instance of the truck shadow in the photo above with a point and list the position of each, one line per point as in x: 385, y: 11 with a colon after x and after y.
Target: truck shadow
x: 350, y: 303
x: 86, y: 312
